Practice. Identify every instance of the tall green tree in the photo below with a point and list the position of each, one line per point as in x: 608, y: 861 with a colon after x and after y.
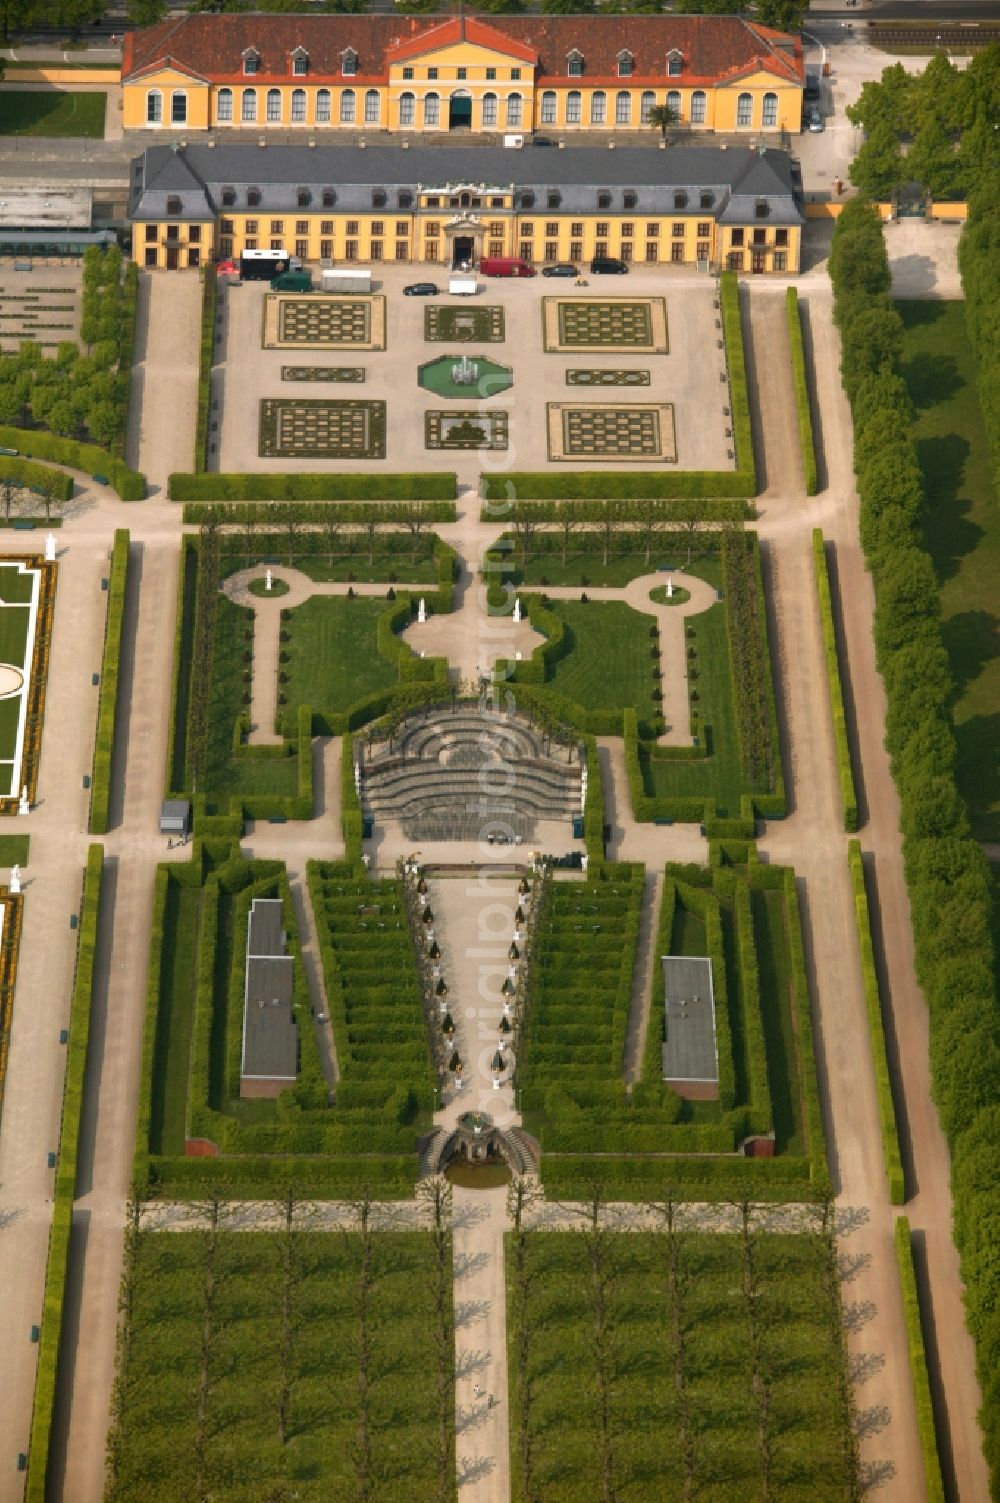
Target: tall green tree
x: 890, y: 100
x: 783, y: 15
x: 146, y: 12
x: 932, y: 160
x: 878, y: 170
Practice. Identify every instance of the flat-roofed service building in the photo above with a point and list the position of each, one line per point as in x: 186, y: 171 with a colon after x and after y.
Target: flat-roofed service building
x: 270, y: 1038
x: 690, y: 1051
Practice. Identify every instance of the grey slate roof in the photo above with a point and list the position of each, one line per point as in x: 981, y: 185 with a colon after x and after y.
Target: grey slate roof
x: 689, y: 1047
x: 270, y: 1038
x: 737, y: 176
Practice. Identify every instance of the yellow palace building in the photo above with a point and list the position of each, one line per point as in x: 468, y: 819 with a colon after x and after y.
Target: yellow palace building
x: 362, y: 74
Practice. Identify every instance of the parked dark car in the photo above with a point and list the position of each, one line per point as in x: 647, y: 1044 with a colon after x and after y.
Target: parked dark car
x: 421, y: 289
x: 561, y: 269
x: 608, y: 266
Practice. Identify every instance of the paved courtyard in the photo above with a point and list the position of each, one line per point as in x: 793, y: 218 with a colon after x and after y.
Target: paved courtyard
x: 678, y: 312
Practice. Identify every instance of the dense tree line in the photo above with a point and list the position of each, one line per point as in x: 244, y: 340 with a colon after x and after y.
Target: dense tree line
x: 979, y: 260
x: 944, y: 116
x: 948, y: 876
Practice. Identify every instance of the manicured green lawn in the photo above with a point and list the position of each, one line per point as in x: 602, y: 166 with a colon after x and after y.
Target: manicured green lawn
x: 333, y: 660
x: 720, y: 775
x: 52, y: 112
x: 683, y: 1419
x: 962, y: 531
x: 608, y: 666
x: 226, y: 774
x: 237, y: 1450
x: 15, y: 588
x: 10, y: 710
x: 13, y: 634
x: 172, y: 1058
x: 587, y: 569
x: 14, y: 850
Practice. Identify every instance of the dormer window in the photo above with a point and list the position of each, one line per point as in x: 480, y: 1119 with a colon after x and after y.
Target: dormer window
x: 329, y: 198
x: 251, y: 61
x: 303, y: 198
x: 379, y: 199
x: 761, y: 208
x: 349, y: 62
x: 300, y: 62
x: 229, y: 198
x: 630, y: 199
x: 675, y: 64
x: 527, y: 199
x: 706, y: 200
x: 253, y: 198
x: 574, y: 64
x: 553, y: 198
x: 604, y: 199
x: 680, y: 200
x: 625, y: 64
x: 173, y: 205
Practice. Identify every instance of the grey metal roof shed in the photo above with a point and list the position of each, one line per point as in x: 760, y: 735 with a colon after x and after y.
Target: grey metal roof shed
x: 270, y: 1038
x: 690, y: 1050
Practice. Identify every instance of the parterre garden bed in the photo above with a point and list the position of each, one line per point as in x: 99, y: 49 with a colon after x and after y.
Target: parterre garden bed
x: 673, y: 1364
x: 241, y: 1357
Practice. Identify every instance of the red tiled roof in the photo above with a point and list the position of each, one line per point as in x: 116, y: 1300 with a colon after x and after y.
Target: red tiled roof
x: 715, y: 49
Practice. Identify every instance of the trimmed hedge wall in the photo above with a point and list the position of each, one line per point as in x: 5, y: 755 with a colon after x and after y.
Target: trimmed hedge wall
x: 876, y: 1029
x: 439, y: 486
x: 65, y: 1185
x: 800, y: 381
x: 693, y: 1177
x: 205, y: 359
x: 38, y: 476
x: 949, y: 879
x: 918, y: 1364
x: 845, y: 774
x: 107, y: 705
x: 128, y: 484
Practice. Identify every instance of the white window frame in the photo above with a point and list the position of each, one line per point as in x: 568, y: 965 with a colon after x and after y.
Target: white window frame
x: 323, y: 106
x: 178, y: 97
x: 224, y: 105
x: 373, y: 107
x: 491, y: 105
x: 599, y: 107
x: 154, y: 106
x: 251, y: 57
x: 574, y: 107
x: 432, y: 109
x: 548, y: 114
x: 407, y: 109
x: 626, y: 64
x: 299, y: 108
x: 769, y: 111
x: 674, y: 101
x: 623, y: 107
x: 248, y: 107
x: 647, y: 104
x: 515, y: 110
x: 699, y: 107
x: 300, y: 64
x: 744, y: 107
x: 349, y: 63
x: 574, y: 64
x: 273, y: 107
x: 348, y: 107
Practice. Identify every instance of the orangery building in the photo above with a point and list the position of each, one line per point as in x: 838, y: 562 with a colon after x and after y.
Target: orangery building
x: 433, y: 75
x: 705, y: 207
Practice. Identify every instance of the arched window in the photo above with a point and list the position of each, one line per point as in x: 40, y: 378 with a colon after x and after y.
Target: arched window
x: 674, y: 64
x: 625, y: 64
x: 514, y: 106
x: 623, y: 107
x: 432, y: 109
x: 348, y: 104
x: 224, y: 105
x: 674, y: 102
x: 646, y: 105
x: 248, y: 109
x: 154, y: 107
x: 548, y: 116
x: 372, y: 106
x: 770, y: 114
x: 349, y: 61
x: 574, y: 107
x: 489, y: 110
x: 407, y: 109
x: 178, y: 107
x: 298, y: 106
x: 274, y: 104
x: 598, y: 107
x: 322, y: 106
x: 744, y: 109
x: 698, y: 107
x: 574, y: 64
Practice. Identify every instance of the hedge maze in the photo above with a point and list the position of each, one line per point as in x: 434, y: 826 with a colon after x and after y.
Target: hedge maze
x: 324, y: 322
x: 671, y: 1363
x: 319, y: 429
x: 613, y: 433
x: 284, y: 1363
x: 570, y: 1037
x: 571, y: 324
